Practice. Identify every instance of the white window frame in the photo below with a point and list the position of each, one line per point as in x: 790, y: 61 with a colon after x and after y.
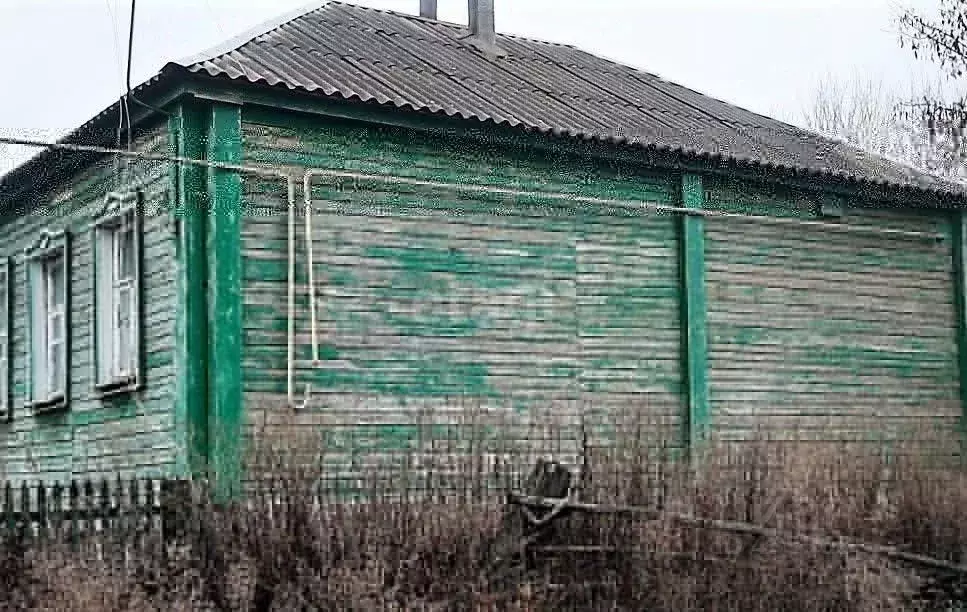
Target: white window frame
x: 6, y: 300
x: 111, y: 291
x: 47, y: 393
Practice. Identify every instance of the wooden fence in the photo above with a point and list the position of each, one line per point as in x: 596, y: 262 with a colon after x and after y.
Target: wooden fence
x: 67, y: 512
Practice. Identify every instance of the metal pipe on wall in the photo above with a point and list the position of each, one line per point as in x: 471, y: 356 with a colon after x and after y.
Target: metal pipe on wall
x: 307, y: 192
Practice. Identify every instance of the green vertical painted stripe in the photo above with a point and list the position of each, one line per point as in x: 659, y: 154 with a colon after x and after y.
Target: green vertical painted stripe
x: 225, y: 304
x: 694, y: 312
x: 960, y: 303
x: 189, y: 126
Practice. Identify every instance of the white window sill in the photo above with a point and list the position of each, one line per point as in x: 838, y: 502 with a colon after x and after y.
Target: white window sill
x: 118, y: 386
x: 50, y: 404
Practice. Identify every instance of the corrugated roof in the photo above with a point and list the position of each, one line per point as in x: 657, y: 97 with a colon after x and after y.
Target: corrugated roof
x: 355, y: 53
x: 411, y: 62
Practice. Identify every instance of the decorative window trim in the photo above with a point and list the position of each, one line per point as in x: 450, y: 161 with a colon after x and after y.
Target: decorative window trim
x: 47, y: 245
x: 116, y: 207
x: 832, y: 209
x: 6, y: 340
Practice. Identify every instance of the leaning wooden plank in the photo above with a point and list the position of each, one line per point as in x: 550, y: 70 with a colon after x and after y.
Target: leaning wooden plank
x: 520, y: 527
x: 737, y: 527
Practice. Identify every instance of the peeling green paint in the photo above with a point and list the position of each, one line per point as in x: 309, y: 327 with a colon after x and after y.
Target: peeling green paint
x: 536, y: 300
x: 959, y: 222
x: 430, y: 324
x: 225, y: 303
x: 432, y: 295
x: 694, y: 313
x: 410, y: 375
x: 191, y: 329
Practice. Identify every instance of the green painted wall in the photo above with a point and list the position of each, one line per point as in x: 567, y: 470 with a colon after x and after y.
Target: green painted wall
x: 694, y: 313
x: 189, y: 125
x: 446, y: 317
x: 127, y: 434
x: 436, y: 305
x: 830, y: 336
x: 223, y: 235
x: 533, y: 312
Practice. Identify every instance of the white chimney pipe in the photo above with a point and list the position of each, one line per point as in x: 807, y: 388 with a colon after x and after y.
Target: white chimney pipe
x: 482, y: 25
x: 428, y: 9
x: 483, y: 34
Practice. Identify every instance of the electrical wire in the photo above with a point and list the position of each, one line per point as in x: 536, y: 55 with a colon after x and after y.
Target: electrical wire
x: 129, y: 95
x: 357, y: 177
x: 117, y: 43
x: 134, y: 5
x: 640, y: 206
x: 120, y: 69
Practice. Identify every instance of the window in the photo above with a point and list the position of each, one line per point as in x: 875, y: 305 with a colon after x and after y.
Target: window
x: 56, y: 327
x: 6, y: 408
x: 117, y: 301
x: 49, y: 354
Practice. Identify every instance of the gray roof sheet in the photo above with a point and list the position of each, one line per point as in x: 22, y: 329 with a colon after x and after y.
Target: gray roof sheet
x: 371, y: 55
x: 355, y: 53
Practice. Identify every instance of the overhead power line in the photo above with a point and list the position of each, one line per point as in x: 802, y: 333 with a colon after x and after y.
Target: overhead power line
x: 129, y: 90
x: 127, y: 95
x: 634, y: 205
x: 120, y: 66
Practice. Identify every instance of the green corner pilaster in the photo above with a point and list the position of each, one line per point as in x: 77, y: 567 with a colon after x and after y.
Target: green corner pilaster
x: 694, y: 313
x: 960, y: 303
x: 189, y: 132
x: 225, y: 301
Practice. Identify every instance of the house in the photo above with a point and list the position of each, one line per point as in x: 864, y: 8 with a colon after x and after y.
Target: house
x: 495, y: 222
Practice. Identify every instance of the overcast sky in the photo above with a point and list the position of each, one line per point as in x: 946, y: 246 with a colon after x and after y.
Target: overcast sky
x: 61, y: 60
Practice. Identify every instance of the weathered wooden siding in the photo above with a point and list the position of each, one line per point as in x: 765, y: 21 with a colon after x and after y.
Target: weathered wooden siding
x: 443, y: 307
x: 824, y: 335
x: 129, y: 434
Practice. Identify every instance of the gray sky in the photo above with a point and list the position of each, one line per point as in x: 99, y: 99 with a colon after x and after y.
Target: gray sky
x: 61, y: 60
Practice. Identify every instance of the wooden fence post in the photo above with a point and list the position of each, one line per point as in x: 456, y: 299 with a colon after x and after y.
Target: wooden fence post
x: 175, y: 509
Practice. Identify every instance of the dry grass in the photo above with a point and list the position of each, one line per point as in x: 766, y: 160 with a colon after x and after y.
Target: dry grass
x: 293, y: 546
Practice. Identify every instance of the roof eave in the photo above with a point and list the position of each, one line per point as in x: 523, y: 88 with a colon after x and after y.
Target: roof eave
x: 174, y: 81
x: 389, y: 113
x: 49, y: 164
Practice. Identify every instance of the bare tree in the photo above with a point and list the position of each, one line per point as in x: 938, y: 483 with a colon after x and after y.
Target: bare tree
x: 866, y: 113
x: 942, y: 39
x: 858, y: 111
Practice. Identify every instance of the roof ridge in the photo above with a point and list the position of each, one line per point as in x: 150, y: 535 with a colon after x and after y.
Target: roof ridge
x: 234, y: 43
x: 266, y: 27
x: 450, y: 24
x: 454, y: 43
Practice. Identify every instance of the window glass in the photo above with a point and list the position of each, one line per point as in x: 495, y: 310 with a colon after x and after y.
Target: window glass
x: 4, y: 342
x: 56, y: 324
x: 124, y: 329
x: 48, y: 276
x: 55, y: 379
x: 116, y: 308
x: 55, y: 283
x: 125, y: 248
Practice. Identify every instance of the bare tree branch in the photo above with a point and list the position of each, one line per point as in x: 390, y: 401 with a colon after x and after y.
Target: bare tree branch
x: 944, y: 41
x: 911, y: 129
